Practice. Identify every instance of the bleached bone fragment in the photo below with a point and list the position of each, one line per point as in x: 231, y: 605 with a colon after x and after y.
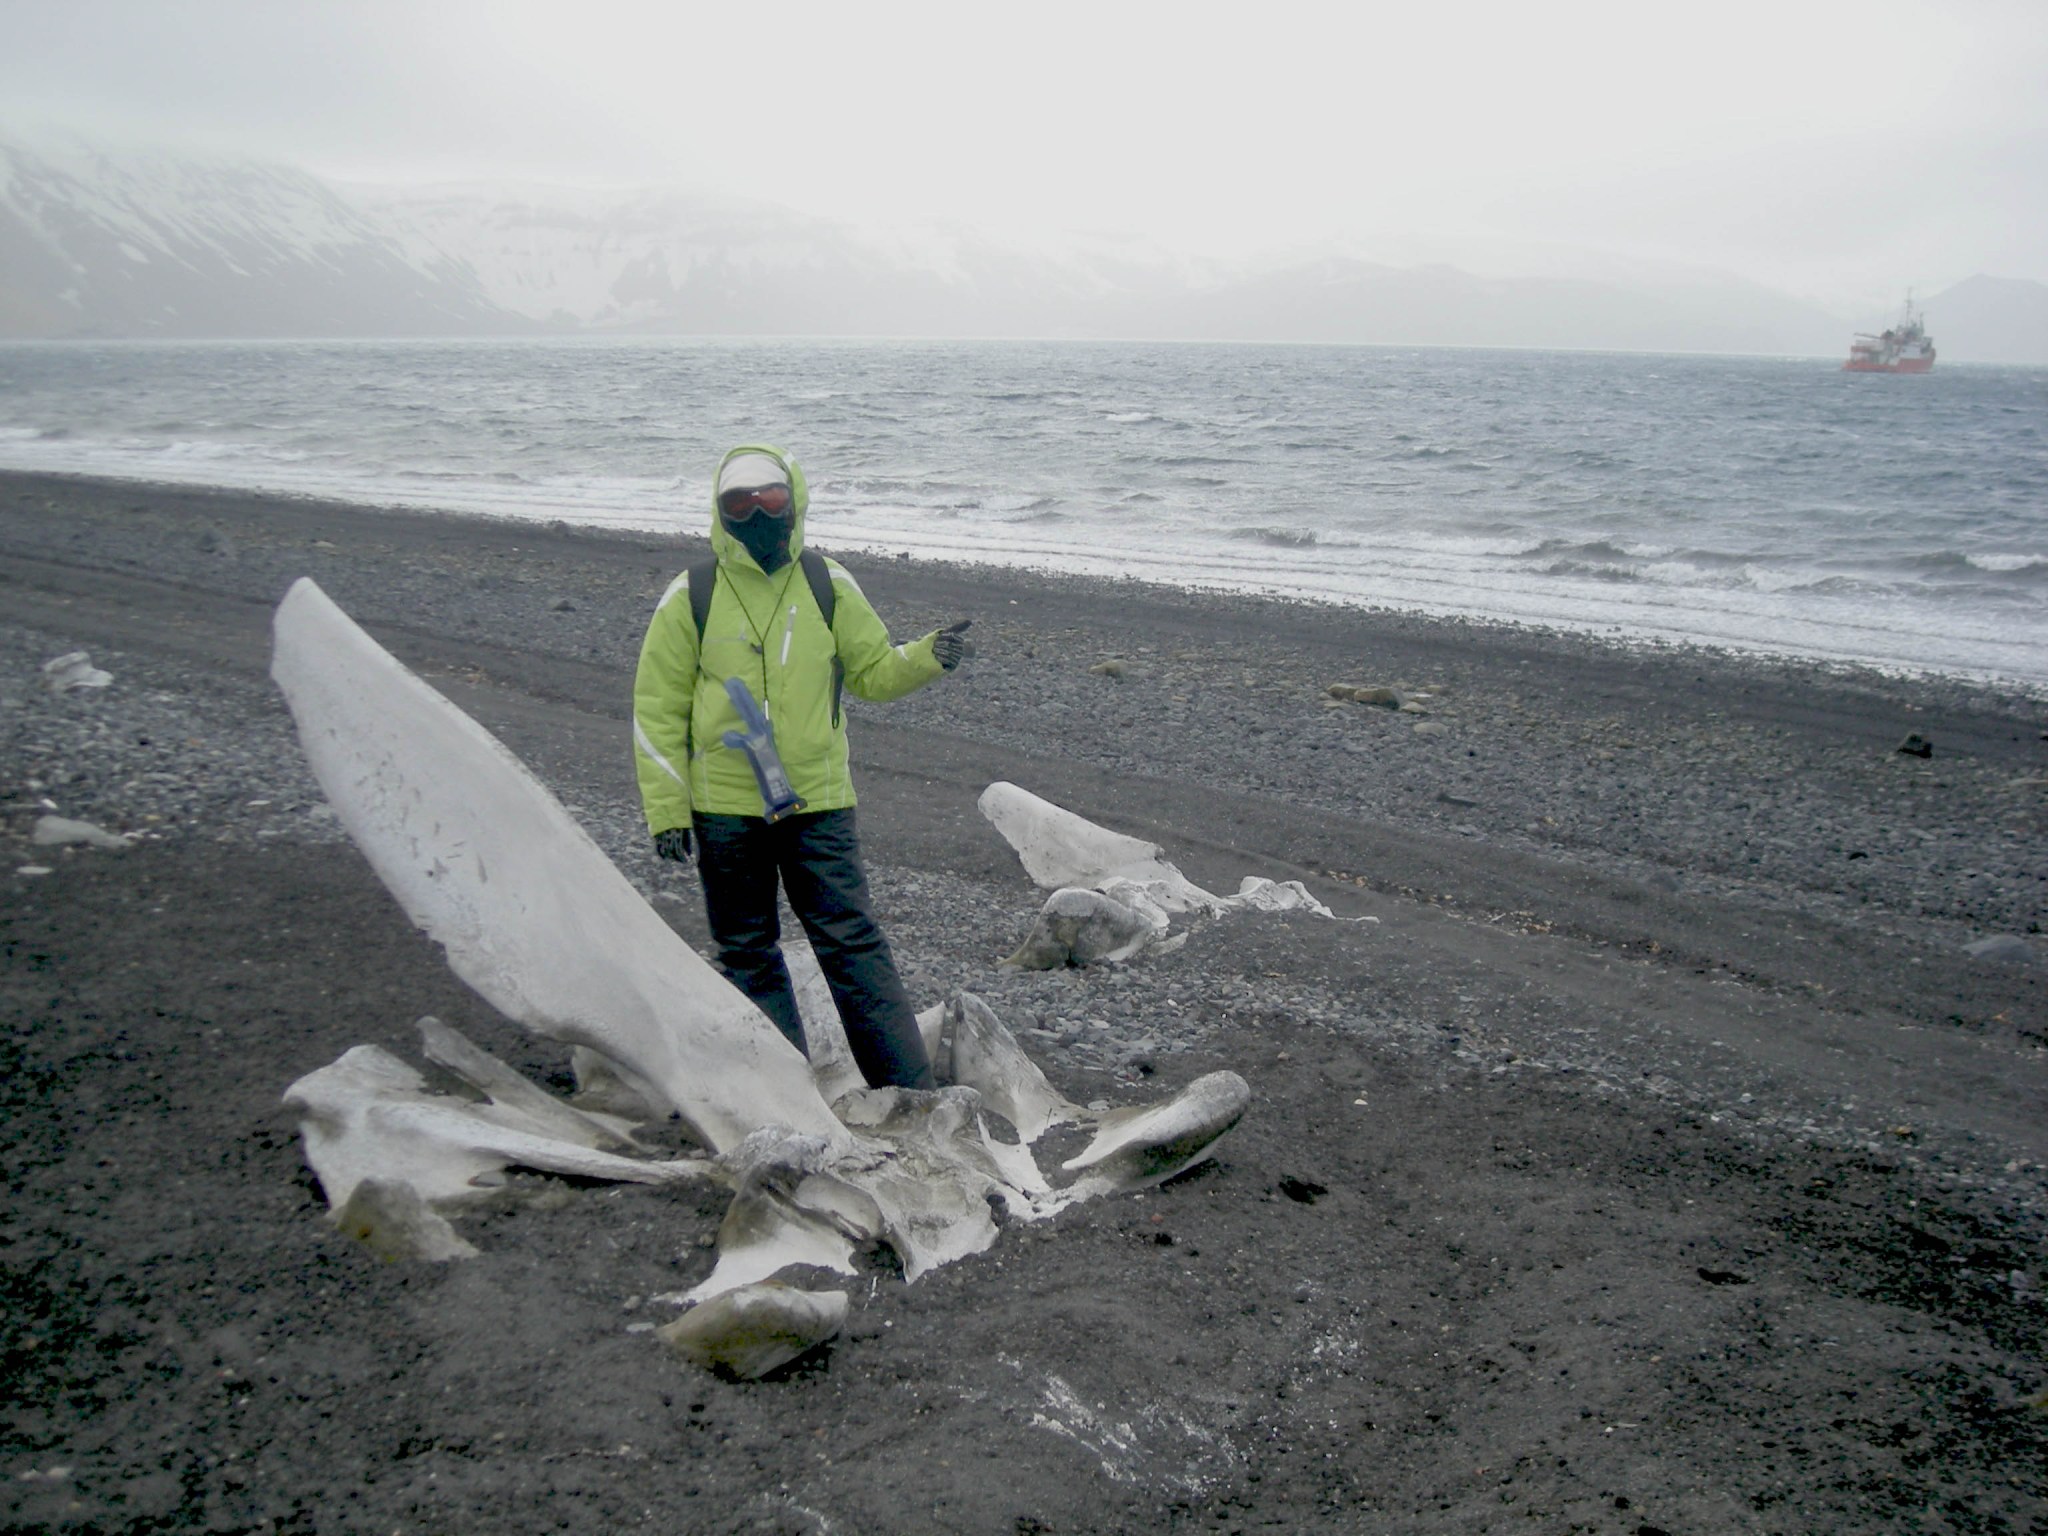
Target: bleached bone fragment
x: 531, y: 913
x: 603, y: 1087
x: 448, y: 1047
x: 73, y: 670
x: 1078, y: 927
x: 833, y: 1068
x: 1060, y: 849
x: 931, y: 1026
x: 56, y: 831
x: 388, y: 1217
x: 934, y: 1187
x: 368, y: 1116
x: 748, y: 1332
x: 981, y: 1053
x: 1255, y: 893
x: 819, y: 1223
x: 1139, y: 1147
x: 788, y: 1208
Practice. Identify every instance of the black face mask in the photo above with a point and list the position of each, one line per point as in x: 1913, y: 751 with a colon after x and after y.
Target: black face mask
x: 765, y: 538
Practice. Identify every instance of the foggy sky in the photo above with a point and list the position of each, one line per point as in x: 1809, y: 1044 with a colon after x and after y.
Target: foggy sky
x: 1839, y: 150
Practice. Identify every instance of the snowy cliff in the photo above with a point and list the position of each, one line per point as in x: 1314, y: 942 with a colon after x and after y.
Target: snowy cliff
x: 146, y: 243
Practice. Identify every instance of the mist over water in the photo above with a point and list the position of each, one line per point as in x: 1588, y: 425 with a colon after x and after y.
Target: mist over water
x: 1778, y: 505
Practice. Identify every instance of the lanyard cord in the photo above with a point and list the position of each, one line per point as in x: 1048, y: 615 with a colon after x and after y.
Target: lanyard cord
x: 760, y: 639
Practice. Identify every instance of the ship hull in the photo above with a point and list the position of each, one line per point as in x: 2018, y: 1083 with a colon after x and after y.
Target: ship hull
x: 1903, y: 365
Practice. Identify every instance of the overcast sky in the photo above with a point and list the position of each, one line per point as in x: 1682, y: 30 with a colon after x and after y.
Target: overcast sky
x: 1840, y: 149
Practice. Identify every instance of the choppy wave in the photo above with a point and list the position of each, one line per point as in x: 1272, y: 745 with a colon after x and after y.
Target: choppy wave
x: 2008, y: 564
x: 1746, y: 502
x: 1291, y: 538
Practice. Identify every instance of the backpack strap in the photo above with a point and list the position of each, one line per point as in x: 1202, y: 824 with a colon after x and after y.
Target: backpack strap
x: 704, y: 576
x: 820, y: 579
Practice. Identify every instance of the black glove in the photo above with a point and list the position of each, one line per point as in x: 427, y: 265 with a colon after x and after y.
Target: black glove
x: 673, y: 844
x: 950, y: 647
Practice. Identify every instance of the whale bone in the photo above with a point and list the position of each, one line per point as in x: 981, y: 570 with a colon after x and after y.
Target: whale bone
x: 530, y: 912
x: 536, y: 919
x: 368, y: 1115
x: 753, y: 1329
x: 1060, y: 849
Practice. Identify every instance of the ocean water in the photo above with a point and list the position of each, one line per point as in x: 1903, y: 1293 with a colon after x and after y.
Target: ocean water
x: 1770, y: 504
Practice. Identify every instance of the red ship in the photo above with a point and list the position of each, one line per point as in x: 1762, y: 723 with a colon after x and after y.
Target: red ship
x: 1904, y: 348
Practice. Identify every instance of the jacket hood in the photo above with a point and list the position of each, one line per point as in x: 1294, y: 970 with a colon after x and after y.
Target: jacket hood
x: 728, y: 548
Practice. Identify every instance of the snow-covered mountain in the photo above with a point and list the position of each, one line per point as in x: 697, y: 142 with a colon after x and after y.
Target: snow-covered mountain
x: 95, y: 242
x: 668, y: 261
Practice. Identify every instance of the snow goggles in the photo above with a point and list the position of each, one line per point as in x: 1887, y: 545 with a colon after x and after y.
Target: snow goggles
x: 753, y: 483
x: 742, y: 502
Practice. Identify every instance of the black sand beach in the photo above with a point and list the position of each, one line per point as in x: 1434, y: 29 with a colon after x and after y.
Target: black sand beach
x: 1668, y: 1156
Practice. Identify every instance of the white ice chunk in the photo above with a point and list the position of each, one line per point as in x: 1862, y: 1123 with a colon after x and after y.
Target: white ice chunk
x: 530, y: 911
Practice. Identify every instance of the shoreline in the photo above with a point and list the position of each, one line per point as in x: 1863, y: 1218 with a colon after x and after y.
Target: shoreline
x: 1661, y: 1140
x: 1612, y: 636
x: 1848, y: 670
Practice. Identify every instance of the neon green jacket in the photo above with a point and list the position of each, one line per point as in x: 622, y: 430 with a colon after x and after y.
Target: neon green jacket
x: 766, y: 630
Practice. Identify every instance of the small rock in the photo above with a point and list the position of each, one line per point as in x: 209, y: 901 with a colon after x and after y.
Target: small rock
x: 74, y: 670
x: 1915, y: 745
x: 2003, y: 948
x: 1114, y: 667
x: 1367, y: 693
x: 55, y: 831
x: 562, y: 605
x: 1430, y: 728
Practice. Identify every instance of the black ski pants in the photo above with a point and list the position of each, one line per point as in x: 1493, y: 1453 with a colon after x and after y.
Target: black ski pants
x: 815, y: 859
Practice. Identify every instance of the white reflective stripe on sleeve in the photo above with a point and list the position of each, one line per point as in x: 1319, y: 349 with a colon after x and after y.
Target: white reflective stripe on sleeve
x: 647, y: 750
x: 840, y: 573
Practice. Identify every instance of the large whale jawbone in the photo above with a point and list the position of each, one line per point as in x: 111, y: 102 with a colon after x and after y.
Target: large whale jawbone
x: 531, y: 913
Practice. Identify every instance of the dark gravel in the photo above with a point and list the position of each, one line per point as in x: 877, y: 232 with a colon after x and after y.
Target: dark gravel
x: 1661, y: 1158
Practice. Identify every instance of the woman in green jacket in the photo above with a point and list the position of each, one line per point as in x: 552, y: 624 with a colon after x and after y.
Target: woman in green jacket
x: 771, y: 629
